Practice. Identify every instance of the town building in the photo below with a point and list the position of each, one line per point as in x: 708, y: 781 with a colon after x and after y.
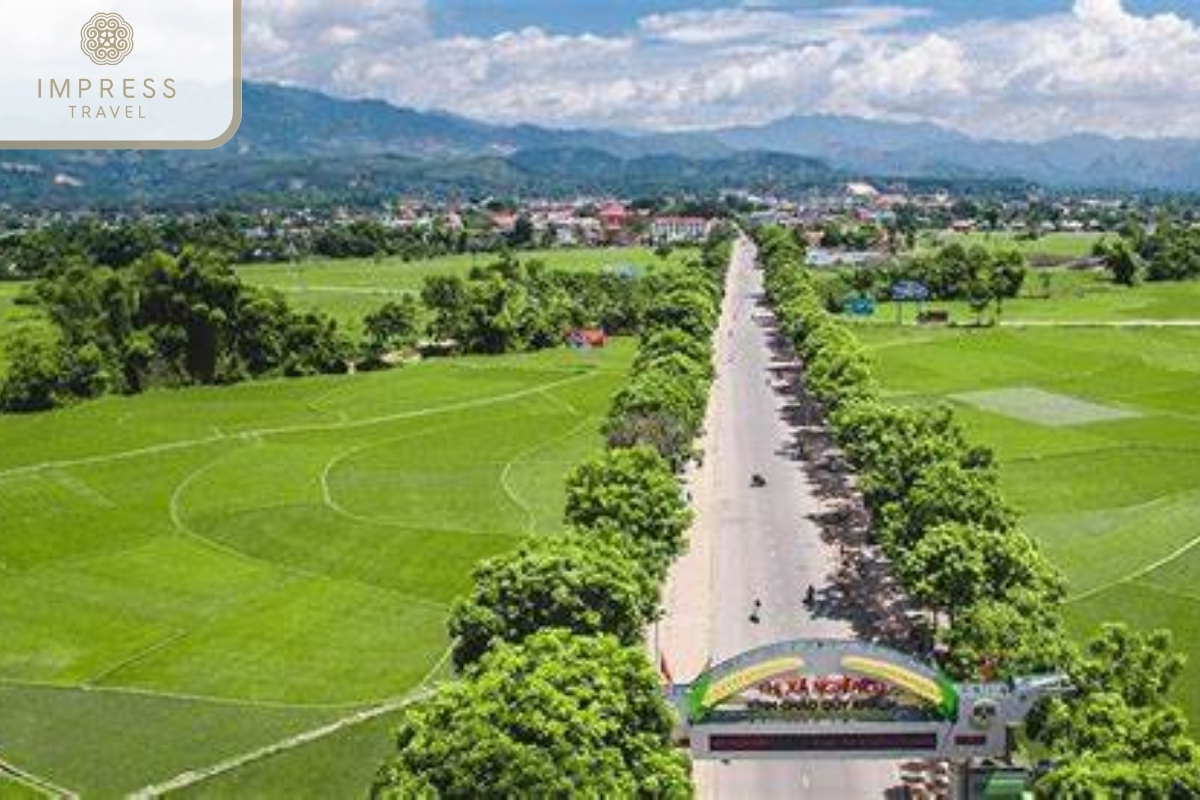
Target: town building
x: 677, y: 230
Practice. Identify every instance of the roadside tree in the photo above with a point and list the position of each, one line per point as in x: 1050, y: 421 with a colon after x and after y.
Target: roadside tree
x: 557, y: 716
x: 634, y: 493
x: 585, y: 584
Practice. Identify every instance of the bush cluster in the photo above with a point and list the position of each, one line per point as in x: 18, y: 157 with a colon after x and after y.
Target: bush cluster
x: 954, y: 544
x: 166, y: 320
x: 513, y: 306
x: 556, y: 695
x: 162, y: 321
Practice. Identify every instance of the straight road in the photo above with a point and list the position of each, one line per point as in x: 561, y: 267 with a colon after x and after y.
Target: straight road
x: 750, y: 543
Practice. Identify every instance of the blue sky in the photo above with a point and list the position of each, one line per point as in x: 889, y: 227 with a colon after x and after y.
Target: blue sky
x: 491, y: 17
x: 1017, y: 69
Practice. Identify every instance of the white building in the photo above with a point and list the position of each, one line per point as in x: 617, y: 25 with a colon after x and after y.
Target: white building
x: 673, y: 230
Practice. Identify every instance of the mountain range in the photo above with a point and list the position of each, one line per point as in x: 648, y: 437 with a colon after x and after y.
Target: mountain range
x: 306, y: 145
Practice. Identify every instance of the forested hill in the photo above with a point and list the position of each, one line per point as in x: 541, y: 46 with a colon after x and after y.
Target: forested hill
x: 156, y: 180
x: 300, y: 146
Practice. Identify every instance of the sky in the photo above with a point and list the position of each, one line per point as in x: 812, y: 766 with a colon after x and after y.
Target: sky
x: 1016, y: 70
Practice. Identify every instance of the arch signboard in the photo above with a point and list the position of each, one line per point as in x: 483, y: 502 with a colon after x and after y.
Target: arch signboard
x: 832, y: 698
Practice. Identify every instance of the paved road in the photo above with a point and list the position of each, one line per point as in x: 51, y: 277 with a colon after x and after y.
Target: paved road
x: 753, y: 543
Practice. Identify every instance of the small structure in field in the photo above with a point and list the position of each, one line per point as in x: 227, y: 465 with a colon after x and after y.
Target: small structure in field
x: 587, y: 338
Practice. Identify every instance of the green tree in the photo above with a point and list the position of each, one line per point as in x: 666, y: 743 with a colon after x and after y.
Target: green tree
x: 943, y: 491
x: 631, y: 492
x: 1019, y: 634
x: 945, y: 569
x: 395, y: 324
x: 523, y: 232
x: 676, y: 407
x: 557, y: 716
x: 445, y: 296
x: 672, y: 342
x: 585, y: 584
x: 689, y: 308
x: 1122, y: 262
x: 1091, y: 776
x: 1121, y: 719
x: 956, y: 565
x: 1007, y: 275
x: 34, y: 374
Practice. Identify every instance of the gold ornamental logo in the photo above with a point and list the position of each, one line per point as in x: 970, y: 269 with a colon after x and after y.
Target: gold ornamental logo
x: 106, y: 39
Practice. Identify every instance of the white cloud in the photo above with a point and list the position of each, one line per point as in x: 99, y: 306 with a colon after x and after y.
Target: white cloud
x: 1097, y: 68
x: 762, y: 25
x: 305, y: 41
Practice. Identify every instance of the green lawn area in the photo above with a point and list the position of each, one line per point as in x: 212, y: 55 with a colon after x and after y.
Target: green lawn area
x: 340, y: 765
x: 192, y: 574
x: 1113, y: 497
x: 1057, y: 246
x: 350, y: 288
x: 1060, y: 295
x: 13, y: 789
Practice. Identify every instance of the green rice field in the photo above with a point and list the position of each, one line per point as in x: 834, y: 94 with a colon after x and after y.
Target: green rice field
x: 1098, y: 434
x: 1057, y: 246
x: 190, y: 575
x: 1078, y: 297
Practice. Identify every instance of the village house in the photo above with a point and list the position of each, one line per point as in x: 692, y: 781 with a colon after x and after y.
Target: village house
x: 677, y: 230
x: 614, y: 223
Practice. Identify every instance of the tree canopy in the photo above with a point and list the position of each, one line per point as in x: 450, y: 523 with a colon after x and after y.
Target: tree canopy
x: 557, y: 716
x: 585, y: 584
x: 633, y: 493
x: 164, y: 320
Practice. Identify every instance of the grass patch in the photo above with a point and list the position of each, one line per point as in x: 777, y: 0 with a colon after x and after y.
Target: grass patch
x: 340, y: 765
x: 1077, y: 297
x: 1059, y: 245
x: 191, y: 574
x: 12, y: 788
x: 1044, y: 408
x: 106, y: 744
x: 1115, y: 502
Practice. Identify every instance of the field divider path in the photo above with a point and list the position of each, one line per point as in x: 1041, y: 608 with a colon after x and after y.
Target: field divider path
x: 1137, y: 574
x: 184, y: 529
x: 35, y: 782
x: 191, y: 777
x: 283, y: 430
x: 145, y: 652
x: 331, y: 502
x: 136, y: 691
x: 506, y: 486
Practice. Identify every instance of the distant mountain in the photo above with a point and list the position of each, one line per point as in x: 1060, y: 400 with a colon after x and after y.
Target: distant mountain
x: 301, y: 146
x: 287, y: 121
x: 873, y: 148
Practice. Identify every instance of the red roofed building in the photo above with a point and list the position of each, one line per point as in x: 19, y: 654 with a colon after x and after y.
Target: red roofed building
x: 587, y: 337
x: 614, y: 222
